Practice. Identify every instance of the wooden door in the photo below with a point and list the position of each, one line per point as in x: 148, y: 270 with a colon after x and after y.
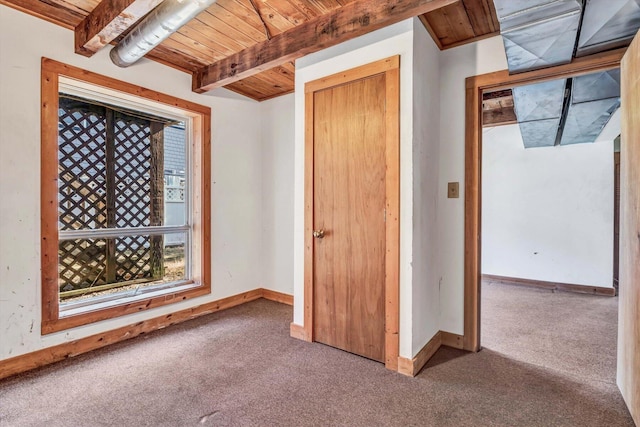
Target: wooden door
x: 629, y: 306
x: 349, y: 207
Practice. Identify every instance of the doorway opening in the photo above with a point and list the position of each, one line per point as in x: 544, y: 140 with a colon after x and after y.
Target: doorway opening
x: 475, y: 88
x: 548, y: 222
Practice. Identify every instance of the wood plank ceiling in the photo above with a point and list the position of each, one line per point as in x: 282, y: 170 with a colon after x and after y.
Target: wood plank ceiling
x: 462, y: 22
x: 231, y: 26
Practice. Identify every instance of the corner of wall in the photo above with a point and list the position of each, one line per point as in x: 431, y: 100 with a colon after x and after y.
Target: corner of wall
x: 456, y: 65
x: 425, y: 292
x: 277, y: 138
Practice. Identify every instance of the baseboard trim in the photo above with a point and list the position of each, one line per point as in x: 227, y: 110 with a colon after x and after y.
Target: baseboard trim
x: 276, y: 296
x: 408, y: 367
x: 298, y: 332
x: 452, y: 340
x: 566, y: 287
x: 411, y: 367
x: 49, y: 355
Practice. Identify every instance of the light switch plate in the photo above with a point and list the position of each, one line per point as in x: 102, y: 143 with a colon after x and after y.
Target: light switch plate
x: 453, y: 190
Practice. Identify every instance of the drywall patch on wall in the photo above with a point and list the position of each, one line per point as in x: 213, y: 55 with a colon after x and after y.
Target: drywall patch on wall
x: 547, y: 213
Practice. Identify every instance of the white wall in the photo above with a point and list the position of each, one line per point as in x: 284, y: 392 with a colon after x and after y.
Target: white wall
x: 277, y: 193
x: 426, y: 140
x: 393, y: 40
x: 547, y: 213
x: 236, y: 176
x: 455, y: 65
x: 258, y: 176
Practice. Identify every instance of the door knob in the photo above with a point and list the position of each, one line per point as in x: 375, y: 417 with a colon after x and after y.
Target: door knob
x: 318, y: 234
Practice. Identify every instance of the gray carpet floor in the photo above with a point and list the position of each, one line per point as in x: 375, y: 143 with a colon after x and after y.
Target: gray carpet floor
x: 571, y: 334
x: 239, y: 367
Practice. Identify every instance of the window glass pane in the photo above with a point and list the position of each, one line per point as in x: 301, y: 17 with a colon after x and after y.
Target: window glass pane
x: 81, y: 264
x: 82, y: 195
x: 86, y: 269
x: 119, y: 169
x: 132, y: 169
x: 174, y: 257
x: 174, y: 152
x: 175, y: 166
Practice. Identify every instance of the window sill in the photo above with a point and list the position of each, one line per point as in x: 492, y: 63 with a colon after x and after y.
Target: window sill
x: 80, y: 307
x: 77, y: 315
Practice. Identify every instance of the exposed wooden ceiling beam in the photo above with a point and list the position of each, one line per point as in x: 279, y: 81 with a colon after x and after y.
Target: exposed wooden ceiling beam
x: 498, y: 108
x: 501, y: 117
x: 49, y: 12
x: 347, y: 22
x: 108, y: 20
x: 504, y: 93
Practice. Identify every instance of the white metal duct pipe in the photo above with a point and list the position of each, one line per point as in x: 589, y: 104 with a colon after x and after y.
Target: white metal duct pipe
x: 160, y: 23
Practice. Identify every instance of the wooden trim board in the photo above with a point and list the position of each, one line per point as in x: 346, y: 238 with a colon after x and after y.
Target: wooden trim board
x: 475, y: 86
x: 391, y: 67
x: 349, y: 76
x: 554, y: 286
x: 47, y: 11
x: 107, y: 21
x: 452, y: 340
x: 411, y: 367
x: 392, y: 234
x: 276, y: 296
x: 298, y: 332
x: 629, y: 302
x: 46, y: 356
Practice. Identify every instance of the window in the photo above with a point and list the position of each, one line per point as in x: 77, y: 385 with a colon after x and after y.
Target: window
x: 125, y: 198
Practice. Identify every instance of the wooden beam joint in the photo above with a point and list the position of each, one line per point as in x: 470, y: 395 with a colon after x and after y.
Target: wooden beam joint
x: 345, y: 23
x: 108, y: 20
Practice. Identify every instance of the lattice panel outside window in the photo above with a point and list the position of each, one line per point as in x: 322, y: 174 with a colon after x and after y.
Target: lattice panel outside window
x: 82, y: 170
x: 133, y: 258
x: 106, y: 168
x: 82, y: 263
x: 132, y: 173
x: 132, y: 169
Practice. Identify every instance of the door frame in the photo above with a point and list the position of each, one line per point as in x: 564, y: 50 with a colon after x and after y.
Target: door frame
x: 475, y: 86
x: 617, y: 194
x: 391, y: 68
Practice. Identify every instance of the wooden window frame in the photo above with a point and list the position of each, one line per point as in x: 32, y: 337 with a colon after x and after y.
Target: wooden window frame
x: 391, y: 68
x: 475, y: 86
x: 200, y: 201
